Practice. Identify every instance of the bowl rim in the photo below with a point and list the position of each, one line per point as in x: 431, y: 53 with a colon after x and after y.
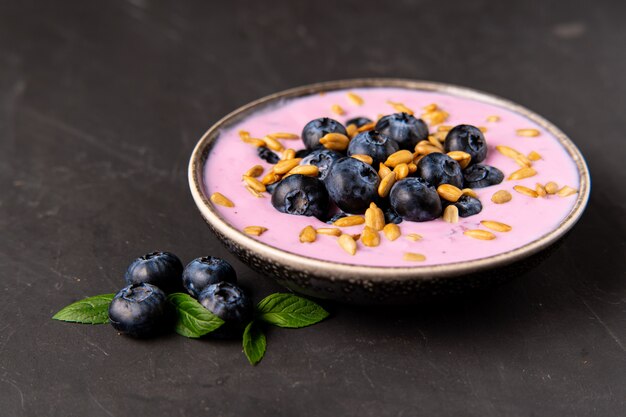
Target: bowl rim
x: 336, y: 270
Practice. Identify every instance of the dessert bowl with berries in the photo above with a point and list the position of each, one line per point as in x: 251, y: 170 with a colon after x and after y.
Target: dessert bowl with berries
x: 387, y: 191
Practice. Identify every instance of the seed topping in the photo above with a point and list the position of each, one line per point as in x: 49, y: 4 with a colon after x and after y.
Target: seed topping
x: 308, y: 235
x: 479, y: 234
x: 220, y: 199
x: 496, y: 226
x: 501, y: 197
x: 254, y: 230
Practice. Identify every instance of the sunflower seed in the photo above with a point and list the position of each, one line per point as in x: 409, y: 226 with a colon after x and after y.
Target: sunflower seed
x: 370, y: 237
x: 479, y: 234
x: 336, y: 108
x: 400, y: 157
x: 522, y: 173
x: 492, y: 119
x: 526, y: 191
x: 386, y: 183
x: 308, y: 235
x: 255, y: 184
x: 283, y: 167
x: 391, y: 231
x: 413, y: 237
x: 534, y: 156
x: 566, y: 191
x: 497, y: 226
x: 451, y: 214
x: 329, y: 231
x: 463, y: 158
x: 552, y: 187
x: 449, y: 192
x: 414, y: 257
x: 501, y: 197
x: 399, y: 107
x: 273, y: 144
x: 363, y: 158
x: 355, y: 98
x: 335, y: 141
x: 219, y: 198
x: 255, y: 171
x: 284, y: 135
x: 254, y: 230
x: 527, y: 132
x: 374, y: 217
x: 402, y: 171
x: 347, y: 243
x: 349, y: 221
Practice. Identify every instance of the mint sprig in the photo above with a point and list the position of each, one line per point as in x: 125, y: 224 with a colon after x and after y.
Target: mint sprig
x: 282, y: 310
x: 193, y: 320
x: 92, y: 310
x: 254, y: 342
x: 291, y: 311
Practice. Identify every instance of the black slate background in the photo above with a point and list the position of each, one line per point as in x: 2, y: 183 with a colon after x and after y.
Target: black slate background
x: 101, y: 104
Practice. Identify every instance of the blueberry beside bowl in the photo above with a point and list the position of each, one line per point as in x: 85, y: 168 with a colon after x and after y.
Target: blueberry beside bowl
x: 358, y: 284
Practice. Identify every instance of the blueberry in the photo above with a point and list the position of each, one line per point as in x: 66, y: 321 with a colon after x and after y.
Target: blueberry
x: 374, y: 144
x: 202, y: 272
x: 404, y: 129
x: 302, y: 153
x: 438, y: 168
x: 228, y: 302
x: 141, y: 310
x: 162, y: 269
x: 481, y: 176
x: 352, y: 185
x: 468, y: 206
x: 336, y: 217
x: 468, y: 139
x: 301, y: 195
x: 267, y: 155
x: 358, y: 121
x: 391, y: 216
x: 317, y: 128
x: 415, y: 200
x: 270, y: 187
x: 322, y: 159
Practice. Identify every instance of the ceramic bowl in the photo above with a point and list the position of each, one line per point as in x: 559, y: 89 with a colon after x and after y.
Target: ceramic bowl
x: 379, y: 285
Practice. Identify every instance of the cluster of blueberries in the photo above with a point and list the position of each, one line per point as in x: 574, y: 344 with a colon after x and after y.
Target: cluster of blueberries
x: 142, y: 309
x: 351, y: 185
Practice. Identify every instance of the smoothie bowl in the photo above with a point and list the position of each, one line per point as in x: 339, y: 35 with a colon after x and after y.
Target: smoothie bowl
x: 387, y: 191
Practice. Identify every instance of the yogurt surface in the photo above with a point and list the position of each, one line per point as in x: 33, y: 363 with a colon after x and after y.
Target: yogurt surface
x: 441, y: 243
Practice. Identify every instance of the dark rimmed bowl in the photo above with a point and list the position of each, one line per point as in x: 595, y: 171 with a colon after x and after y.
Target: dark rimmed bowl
x: 380, y: 285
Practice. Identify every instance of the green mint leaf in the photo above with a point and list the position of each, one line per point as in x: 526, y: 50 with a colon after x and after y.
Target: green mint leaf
x: 254, y: 343
x: 288, y: 310
x: 92, y: 310
x: 193, y: 319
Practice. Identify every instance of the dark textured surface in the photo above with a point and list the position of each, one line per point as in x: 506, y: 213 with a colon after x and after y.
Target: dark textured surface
x: 100, y: 106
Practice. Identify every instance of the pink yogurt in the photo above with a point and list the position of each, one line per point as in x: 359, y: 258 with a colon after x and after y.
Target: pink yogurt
x: 442, y: 242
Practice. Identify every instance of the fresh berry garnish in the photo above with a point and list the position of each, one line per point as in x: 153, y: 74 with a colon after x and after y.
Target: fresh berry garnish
x: 141, y: 310
x: 438, y: 168
x: 415, y: 200
x: 267, y: 155
x: 228, y: 302
x: 318, y: 128
x: 372, y: 143
x: 205, y: 271
x: 481, y: 176
x: 358, y: 121
x: 301, y: 195
x: 404, y: 129
x: 391, y: 216
x: 469, y: 139
x: 468, y: 206
x: 322, y: 159
x: 352, y: 184
x: 302, y: 153
x: 162, y: 269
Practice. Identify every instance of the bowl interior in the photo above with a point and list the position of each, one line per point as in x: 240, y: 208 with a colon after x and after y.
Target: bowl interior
x: 221, y: 226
